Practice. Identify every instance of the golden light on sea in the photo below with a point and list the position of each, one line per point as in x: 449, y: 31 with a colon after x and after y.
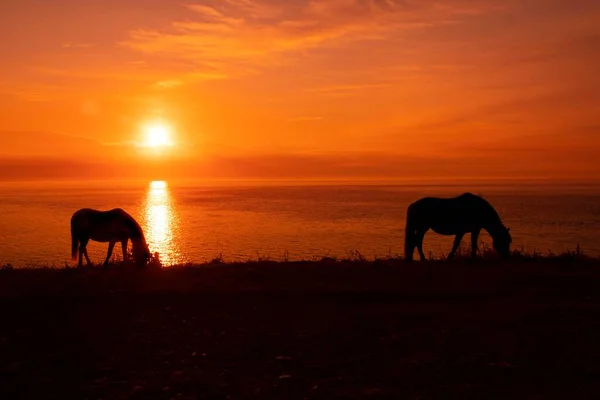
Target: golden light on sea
x: 161, y: 221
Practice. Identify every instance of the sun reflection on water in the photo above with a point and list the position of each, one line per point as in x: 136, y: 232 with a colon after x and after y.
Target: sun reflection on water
x: 161, y: 222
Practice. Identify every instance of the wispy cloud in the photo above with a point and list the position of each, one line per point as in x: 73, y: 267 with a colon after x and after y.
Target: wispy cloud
x: 305, y: 118
x: 235, y: 33
x: 385, y: 165
x: 71, y: 45
x: 21, y: 142
x: 131, y: 73
x: 34, y: 95
x: 340, y: 90
x: 168, y: 84
x: 135, y: 73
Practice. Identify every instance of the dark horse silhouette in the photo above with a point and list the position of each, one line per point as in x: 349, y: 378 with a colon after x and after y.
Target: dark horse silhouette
x: 107, y: 226
x: 458, y: 216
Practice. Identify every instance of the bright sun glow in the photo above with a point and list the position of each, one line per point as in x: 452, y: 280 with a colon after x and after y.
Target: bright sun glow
x: 158, y: 185
x: 157, y: 136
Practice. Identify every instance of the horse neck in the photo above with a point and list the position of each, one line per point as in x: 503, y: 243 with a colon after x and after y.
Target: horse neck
x: 136, y: 234
x: 495, y: 227
x: 493, y: 224
x: 138, y: 239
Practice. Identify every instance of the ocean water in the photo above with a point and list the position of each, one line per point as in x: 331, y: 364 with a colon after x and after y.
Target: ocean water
x: 196, y: 223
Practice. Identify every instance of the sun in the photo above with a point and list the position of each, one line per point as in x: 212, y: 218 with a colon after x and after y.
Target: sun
x: 157, y: 136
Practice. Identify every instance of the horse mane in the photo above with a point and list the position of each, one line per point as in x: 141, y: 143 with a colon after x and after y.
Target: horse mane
x: 482, y: 200
x: 134, y: 227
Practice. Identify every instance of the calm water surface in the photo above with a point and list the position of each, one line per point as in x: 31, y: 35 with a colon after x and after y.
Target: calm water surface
x: 196, y: 223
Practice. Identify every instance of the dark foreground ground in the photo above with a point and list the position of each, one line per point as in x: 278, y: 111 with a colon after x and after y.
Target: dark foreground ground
x: 303, y: 331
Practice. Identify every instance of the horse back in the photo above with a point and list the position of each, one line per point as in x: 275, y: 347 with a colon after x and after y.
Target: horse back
x: 115, y: 224
x: 464, y: 212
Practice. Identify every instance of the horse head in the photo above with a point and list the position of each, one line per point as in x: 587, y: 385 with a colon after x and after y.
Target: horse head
x: 501, y: 242
x: 141, y: 253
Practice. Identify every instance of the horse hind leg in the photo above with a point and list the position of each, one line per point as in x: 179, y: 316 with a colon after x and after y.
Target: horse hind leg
x: 74, y: 247
x: 83, y: 252
x: 87, y: 259
x: 80, y: 263
x: 408, y: 251
x: 409, y: 245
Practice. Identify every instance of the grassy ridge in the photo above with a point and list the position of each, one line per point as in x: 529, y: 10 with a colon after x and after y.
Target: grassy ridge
x: 485, y: 254
x: 327, y: 329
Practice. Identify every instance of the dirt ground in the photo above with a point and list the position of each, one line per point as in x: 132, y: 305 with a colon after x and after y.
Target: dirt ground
x: 518, y: 330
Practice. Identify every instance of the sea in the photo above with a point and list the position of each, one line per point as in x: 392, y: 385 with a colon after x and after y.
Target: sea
x: 200, y: 222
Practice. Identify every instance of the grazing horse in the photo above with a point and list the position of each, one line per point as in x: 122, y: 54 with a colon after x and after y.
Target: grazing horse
x: 458, y: 216
x: 107, y: 226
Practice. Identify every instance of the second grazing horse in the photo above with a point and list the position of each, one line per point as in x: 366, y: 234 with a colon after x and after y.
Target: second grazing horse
x: 458, y: 216
x: 107, y: 226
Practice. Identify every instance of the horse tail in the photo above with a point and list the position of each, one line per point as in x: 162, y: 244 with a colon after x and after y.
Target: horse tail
x: 409, y: 235
x: 74, y: 245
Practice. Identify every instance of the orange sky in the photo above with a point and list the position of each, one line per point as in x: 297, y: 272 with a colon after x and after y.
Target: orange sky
x: 301, y: 88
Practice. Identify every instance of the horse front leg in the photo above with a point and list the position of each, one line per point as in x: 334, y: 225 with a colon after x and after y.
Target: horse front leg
x: 474, y: 237
x: 456, y: 245
x: 111, y: 246
x: 124, y: 248
x: 420, y: 235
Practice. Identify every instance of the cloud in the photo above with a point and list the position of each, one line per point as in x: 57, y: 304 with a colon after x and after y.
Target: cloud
x: 341, y: 90
x: 34, y: 95
x: 388, y: 165
x: 168, y: 84
x: 480, y: 164
x: 134, y: 72
x: 305, y: 118
x: 70, y: 45
x: 235, y: 34
x: 50, y: 168
x: 37, y: 143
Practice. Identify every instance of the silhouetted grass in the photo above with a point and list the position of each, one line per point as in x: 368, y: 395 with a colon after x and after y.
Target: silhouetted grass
x: 329, y: 327
x: 463, y: 257
x: 485, y: 256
